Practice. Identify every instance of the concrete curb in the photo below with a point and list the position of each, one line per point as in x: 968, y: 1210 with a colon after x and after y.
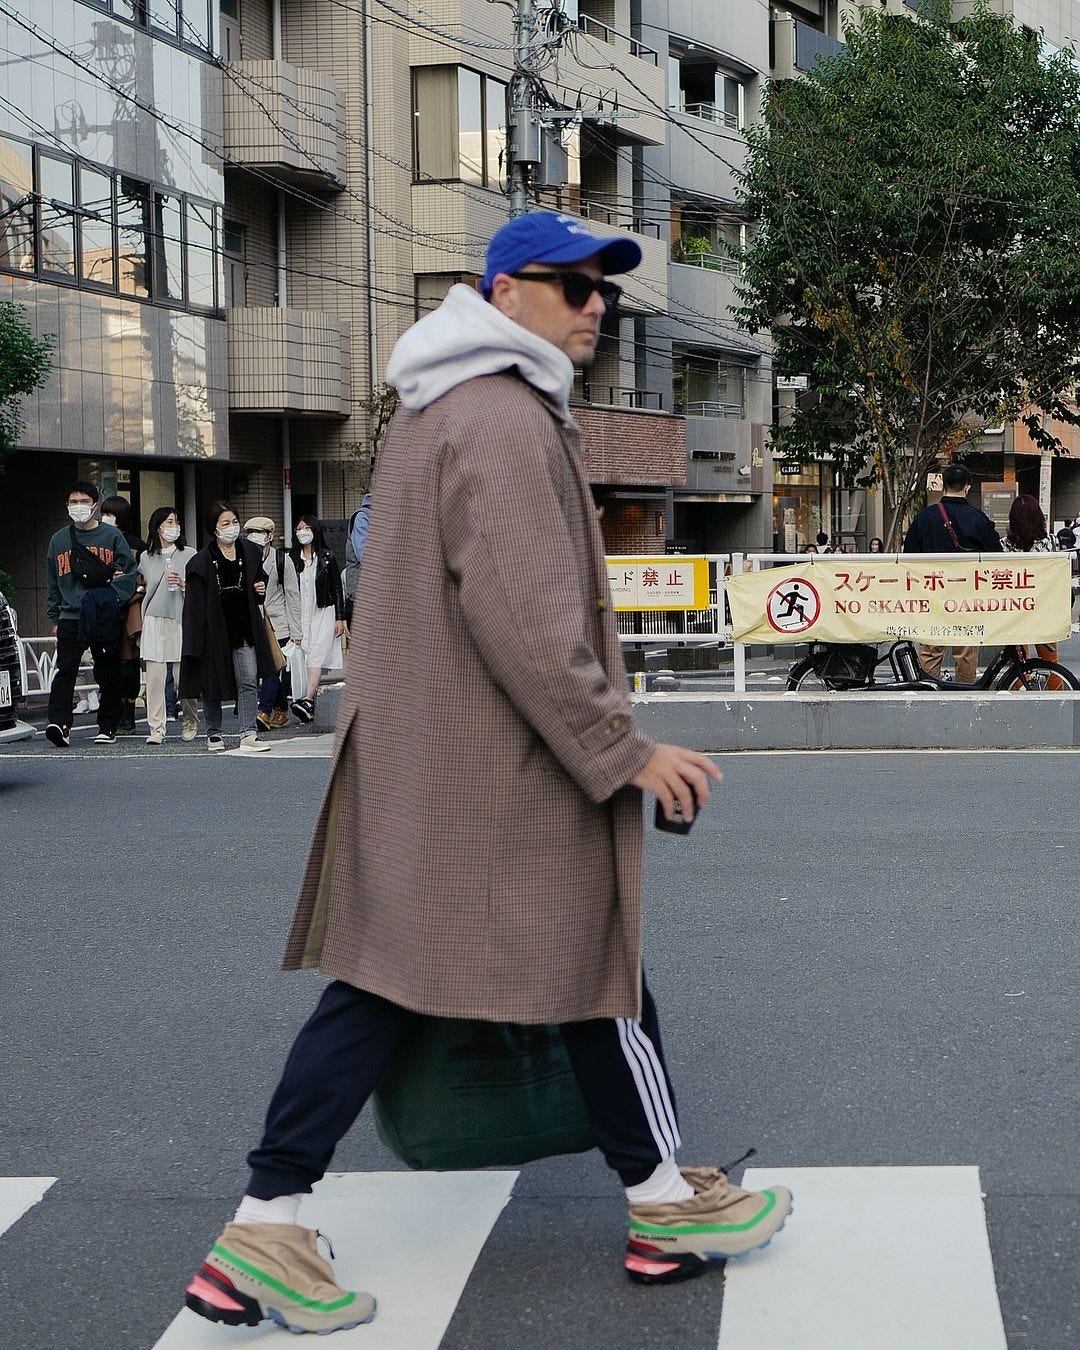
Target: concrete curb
x: 861, y: 721
x: 847, y: 721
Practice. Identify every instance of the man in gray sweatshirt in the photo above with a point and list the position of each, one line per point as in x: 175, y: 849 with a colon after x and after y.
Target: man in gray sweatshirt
x: 67, y: 586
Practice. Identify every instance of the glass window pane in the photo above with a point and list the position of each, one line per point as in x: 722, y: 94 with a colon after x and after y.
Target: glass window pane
x: 200, y: 254
x: 470, y: 135
x: 97, y: 263
x: 163, y: 15
x: 133, y: 216
x: 57, y: 215
x: 195, y: 24
x: 168, y: 271
x: 495, y: 116
x: 17, y: 205
x: 132, y: 10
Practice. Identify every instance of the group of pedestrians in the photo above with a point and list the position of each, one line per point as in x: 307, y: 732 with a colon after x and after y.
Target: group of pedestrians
x: 237, y: 621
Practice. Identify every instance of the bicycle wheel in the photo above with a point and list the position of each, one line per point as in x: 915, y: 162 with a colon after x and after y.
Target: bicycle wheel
x: 804, y: 677
x: 1036, y: 676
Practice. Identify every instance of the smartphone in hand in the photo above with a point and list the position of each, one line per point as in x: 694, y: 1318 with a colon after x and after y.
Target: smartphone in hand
x: 677, y: 825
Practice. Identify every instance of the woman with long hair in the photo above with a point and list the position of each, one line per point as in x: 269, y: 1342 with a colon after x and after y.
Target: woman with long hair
x: 322, y: 609
x: 162, y: 569
x: 1027, y: 533
x: 225, y: 649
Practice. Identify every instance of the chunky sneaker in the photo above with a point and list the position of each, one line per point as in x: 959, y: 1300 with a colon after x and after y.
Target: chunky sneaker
x: 252, y: 742
x: 215, y: 743
x: 156, y: 738
x: 676, y: 1241
x: 190, y: 731
x: 57, y: 735
x: 303, y: 710
x: 105, y: 738
x: 271, y: 1272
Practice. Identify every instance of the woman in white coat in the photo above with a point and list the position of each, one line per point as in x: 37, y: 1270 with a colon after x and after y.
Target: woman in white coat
x: 161, y: 574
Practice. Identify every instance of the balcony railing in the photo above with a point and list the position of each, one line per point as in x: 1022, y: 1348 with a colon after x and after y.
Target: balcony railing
x: 570, y: 201
x: 617, y: 396
x: 714, y: 262
x: 812, y: 46
x: 712, y: 112
x: 711, y: 408
x: 594, y: 28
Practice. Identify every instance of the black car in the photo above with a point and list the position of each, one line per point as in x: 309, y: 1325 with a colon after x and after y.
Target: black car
x: 10, y: 671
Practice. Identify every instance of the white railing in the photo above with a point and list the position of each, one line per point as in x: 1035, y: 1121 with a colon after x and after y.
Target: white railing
x: 37, y: 664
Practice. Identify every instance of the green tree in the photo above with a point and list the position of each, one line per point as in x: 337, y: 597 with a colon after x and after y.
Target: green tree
x: 919, y: 206
x: 25, y: 362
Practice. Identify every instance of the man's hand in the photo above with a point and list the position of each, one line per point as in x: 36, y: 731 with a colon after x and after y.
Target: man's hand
x: 53, y: 630
x: 676, y: 774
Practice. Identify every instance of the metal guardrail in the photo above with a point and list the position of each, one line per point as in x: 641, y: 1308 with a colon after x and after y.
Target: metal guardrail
x: 709, y: 408
x: 37, y: 665
x: 712, y: 112
x: 618, y: 396
x: 587, y: 24
x: 713, y: 262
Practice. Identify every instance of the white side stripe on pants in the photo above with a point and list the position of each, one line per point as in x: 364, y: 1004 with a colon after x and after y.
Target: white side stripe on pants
x: 651, y: 1083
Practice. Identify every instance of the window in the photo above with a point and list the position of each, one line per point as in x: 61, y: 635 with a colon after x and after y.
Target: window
x: 186, y: 22
x: 18, y: 251
x: 706, y: 386
x: 430, y: 288
x: 66, y: 219
x: 459, y: 126
x: 704, y: 234
x: 133, y: 219
x: 700, y: 87
x: 57, y: 188
x: 233, y: 246
x: 199, y: 252
x: 97, y: 248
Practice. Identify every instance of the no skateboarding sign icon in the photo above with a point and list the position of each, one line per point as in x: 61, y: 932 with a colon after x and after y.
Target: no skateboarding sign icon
x: 793, y: 606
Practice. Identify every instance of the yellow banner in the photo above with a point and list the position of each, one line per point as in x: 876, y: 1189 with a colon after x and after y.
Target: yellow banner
x: 672, y: 581
x: 971, y: 601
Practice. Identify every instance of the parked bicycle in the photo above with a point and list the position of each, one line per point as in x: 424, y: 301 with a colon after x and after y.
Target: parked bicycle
x: 844, y: 666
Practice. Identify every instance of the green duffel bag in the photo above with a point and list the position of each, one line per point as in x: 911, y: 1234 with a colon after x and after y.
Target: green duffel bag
x: 462, y: 1094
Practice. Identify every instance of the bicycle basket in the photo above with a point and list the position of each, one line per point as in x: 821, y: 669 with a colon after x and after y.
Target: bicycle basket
x: 849, y: 665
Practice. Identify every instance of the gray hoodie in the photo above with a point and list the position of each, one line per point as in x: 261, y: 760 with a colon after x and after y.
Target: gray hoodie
x: 467, y: 337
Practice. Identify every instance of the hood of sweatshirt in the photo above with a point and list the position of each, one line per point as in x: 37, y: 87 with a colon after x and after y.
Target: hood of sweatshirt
x: 467, y: 337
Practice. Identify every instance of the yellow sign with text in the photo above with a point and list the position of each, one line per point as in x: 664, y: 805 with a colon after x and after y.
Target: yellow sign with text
x: 673, y: 581
x: 974, y: 600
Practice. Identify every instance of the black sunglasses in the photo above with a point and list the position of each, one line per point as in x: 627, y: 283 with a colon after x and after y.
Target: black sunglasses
x: 576, y: 287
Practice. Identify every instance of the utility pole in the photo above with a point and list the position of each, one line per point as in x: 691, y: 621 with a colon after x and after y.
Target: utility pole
x: 524, y: 136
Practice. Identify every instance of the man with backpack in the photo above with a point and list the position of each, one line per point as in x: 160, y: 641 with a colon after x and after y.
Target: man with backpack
x: 90, y: 576
x: 359, y: 522
x: 952, y: 525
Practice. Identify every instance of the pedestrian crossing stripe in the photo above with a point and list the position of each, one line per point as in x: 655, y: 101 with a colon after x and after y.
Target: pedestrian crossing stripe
x: 409, y: 1238
x: 896, y: 1258
x: 17, y: 1195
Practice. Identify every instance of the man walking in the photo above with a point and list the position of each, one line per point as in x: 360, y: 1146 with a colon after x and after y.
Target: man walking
x: 479, y: 850
x: 952, y: 526
x: 82, y: 556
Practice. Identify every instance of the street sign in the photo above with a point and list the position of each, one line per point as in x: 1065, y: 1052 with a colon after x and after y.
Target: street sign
x: 791, y: 382
x: 659, y: 583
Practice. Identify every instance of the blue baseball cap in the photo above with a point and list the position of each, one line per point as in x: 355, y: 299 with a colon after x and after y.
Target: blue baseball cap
x: 544, y: 237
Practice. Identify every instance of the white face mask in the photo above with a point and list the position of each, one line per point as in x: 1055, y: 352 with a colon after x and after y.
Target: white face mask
x: 304, y: 536
x: 229, y: 534
x: 80, y: 513
x: 258, y: 537
x: 170, y: 533
x: 108, y: 520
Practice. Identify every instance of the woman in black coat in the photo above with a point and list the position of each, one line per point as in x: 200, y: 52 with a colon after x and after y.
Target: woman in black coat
x: 322, y: 610
x: 225, y: 650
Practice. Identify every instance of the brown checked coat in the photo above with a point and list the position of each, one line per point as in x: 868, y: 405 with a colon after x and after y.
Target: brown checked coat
x: 479, y: 851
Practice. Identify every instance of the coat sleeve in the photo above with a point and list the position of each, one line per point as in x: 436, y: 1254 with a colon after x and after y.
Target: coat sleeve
x: 194, y: 636
x: 54, y: 599
x: 333, y: 577
x: 508, y: 547
x: 123, y: 583
x: 290, y: 584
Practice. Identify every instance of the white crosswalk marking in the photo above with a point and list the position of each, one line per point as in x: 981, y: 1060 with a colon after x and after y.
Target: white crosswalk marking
x: 894, y: 1258
x: 409, y: 1238
x: 17, y: 1195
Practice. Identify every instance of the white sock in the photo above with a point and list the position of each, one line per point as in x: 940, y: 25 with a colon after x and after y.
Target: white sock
x: 282, y: 1209
x: 665, y: 1186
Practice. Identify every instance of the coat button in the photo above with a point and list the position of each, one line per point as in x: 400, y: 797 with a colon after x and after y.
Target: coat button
x: 601, y: 603
x: 615, y: 724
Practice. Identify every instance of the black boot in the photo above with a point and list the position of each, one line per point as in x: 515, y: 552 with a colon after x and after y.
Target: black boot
x: 126, y: 726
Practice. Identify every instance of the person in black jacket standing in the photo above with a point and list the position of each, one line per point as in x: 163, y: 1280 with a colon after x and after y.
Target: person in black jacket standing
x: 322, y: 609
x: 952, y: 526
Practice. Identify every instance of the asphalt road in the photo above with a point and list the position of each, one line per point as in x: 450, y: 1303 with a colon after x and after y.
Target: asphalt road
x: 859, y: 959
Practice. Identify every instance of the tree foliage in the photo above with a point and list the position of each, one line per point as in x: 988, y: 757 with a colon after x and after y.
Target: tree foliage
x: 919, y: 207
x: 25, y: 362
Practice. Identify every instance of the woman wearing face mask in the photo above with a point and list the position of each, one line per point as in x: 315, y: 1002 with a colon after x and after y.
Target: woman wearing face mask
x: 117, y: 511
x: 161, y: 576
x: 322, y: 609
x: 225, y: 649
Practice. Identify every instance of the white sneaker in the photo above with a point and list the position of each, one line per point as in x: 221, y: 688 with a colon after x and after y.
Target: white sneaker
x: 156, y: 738
x: 252, y: 742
